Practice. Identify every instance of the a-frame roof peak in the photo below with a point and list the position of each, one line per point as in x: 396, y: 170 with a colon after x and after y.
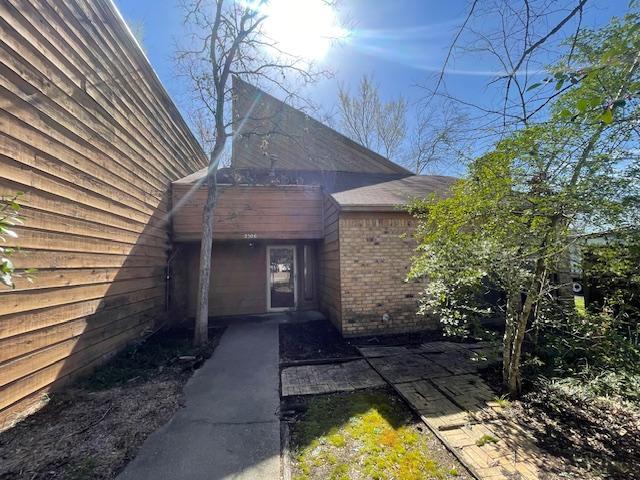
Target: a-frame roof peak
x: 272, y: 134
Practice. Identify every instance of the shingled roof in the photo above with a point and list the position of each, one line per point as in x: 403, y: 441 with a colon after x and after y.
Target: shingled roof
x: 393, y: 194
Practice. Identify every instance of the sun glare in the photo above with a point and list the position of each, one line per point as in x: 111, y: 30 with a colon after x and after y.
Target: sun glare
x: 304, y: 28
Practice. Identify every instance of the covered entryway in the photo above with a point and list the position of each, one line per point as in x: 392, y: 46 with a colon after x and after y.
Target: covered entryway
x: 250, y: 277
x: 265, y: 248
x: 282, y: 276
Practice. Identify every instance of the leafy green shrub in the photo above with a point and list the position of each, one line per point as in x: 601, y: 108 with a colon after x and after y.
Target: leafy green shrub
x: 9, y: 218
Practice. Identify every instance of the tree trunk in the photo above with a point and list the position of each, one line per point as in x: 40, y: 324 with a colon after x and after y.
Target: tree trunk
x: 518, y: 315
x: 514, y: 305
x: 201, y: 334
x: 513, y: 380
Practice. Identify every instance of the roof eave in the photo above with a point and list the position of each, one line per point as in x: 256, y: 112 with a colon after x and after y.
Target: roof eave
x: 372, y: 208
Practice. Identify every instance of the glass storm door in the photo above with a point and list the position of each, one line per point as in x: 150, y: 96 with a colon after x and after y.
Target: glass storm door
x: 281, y: 277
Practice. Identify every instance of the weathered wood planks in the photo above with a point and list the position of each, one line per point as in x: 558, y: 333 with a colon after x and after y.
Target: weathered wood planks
x: 91, y: 137
x: 251, y: 212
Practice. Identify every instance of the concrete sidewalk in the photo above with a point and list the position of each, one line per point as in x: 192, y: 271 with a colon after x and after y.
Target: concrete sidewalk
x: 229, y: 427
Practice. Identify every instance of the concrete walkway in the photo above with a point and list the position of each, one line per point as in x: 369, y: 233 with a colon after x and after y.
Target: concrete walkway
x: 229, y: 427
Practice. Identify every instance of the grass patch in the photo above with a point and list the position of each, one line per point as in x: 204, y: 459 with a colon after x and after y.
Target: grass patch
x: 503, y: 401
x: 485, y: 440
x: 367, y: 434
x: 580, y: 305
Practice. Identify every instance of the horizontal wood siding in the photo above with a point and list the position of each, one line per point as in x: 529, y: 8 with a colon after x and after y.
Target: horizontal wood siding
x: 90, y: 136
x: 329, y: 280
x: 255, y: 212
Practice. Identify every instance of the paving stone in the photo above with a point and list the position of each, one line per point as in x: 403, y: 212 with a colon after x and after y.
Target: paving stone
x: 371, y: 352
x: 442, y: 385
x: 440, y: 347
x: 473, y: 394
x: 406, y: 368
x: 434, y: 408
x: 479, y: 345
x: 460, y: 362
x: 336, y: 377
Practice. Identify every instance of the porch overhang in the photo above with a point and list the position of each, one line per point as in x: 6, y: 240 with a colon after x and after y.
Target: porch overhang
x: 249, y: 212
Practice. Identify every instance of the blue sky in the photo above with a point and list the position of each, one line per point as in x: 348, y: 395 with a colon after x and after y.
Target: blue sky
x: 402, y: 43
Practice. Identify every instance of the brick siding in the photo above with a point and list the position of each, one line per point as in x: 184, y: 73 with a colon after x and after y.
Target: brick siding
x: 375, y: 256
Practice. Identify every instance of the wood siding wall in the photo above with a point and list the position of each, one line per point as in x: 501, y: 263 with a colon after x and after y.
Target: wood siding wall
x: 90, y: 136
x: 251, y: 212
x: 329, y: 278
x: 296, y: 141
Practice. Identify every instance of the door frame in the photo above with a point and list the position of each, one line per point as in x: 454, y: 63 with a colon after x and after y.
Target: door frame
x: 295, y: 278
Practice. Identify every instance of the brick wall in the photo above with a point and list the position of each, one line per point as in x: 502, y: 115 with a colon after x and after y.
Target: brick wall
x: 374, y: 261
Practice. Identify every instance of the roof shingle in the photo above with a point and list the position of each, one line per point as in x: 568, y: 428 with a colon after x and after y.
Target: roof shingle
x: 393, y: 194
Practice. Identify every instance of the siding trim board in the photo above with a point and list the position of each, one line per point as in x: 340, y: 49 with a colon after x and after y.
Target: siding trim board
x: 91, y: 136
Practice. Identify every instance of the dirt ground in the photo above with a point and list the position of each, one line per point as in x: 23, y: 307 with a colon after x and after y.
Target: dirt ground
x: 598, y: 436
x: 313, y: 340
x: 94, y: 427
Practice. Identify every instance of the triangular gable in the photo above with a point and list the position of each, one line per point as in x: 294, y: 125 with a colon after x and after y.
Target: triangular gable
x: 272, y: 134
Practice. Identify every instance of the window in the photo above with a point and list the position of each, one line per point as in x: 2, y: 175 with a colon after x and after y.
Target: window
x: 308, y: 260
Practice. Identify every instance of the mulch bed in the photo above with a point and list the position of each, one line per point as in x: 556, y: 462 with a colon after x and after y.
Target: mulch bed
x: 599, y: 436
x: 93, y: 428
x: 313, y: 340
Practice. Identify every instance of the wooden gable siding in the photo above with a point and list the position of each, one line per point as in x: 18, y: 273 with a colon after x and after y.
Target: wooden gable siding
x: 296, y: 141
x: 250, y: 212
x: 90, y: 136
x: 329, y: 264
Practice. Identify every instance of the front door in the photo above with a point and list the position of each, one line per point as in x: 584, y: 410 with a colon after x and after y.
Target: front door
x: 281, y: 277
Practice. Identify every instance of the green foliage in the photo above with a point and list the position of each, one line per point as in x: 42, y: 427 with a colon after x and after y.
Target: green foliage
x: 486, y: 439
x: 599, y: 347
x: 511, y: 222
x: 9, y: 218
x: 612, y: 273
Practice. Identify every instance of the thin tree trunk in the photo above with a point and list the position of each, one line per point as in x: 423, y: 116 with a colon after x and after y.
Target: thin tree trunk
x: 511, y: 365
x: 513, y: 307
x: 201, y: 334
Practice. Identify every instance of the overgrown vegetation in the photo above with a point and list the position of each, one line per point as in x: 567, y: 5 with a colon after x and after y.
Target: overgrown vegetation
x: 368, y: 434
x: 597, y: 349
x: 91, y: 429
x: 542, y: 192
x: 599, y: 434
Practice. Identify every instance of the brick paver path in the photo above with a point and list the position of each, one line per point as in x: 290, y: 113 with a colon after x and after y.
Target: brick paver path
x: 334, y: 377
x: 440, y: 381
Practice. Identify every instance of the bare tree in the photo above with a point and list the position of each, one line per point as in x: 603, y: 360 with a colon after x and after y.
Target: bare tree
x: 228, y: 39
x: 378, y: 125
x: 438, y: 139
x: 517, y: 39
